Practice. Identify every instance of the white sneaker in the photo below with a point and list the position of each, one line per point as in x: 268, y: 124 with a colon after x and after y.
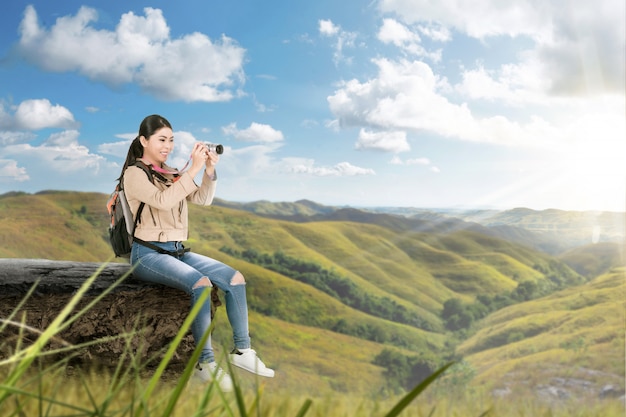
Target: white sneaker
x: 247, y: 359
x: 208, y: 372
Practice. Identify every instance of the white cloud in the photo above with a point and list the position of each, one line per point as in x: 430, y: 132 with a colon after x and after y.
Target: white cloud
x: 257, y: 161
x: 10, y: 172
x: 119, y: 149
x: 388, y: 141
x: 415, y: 161
x: 35, y: 115
x: 396, y: 160
x: 327, y: 27
x: 12, y: 138
x: 250, y: 162
x: 65, y: 138
x: 257, y: 132
x: 580, y: 48
x: 307, y: 167
x: 480, y: 83
x: 139, y: 50
x: 418, y: 161
x: 479, y: 19
x: 61, y: 152
x: 309, y: 123
x: 435, y: 31
x: 587, y: 51
x: 5, y: 118
x: 404, y: 96
x: 396, y: 33
x: 407, y: 96
x: 344, y: 39
x: 260, y: 107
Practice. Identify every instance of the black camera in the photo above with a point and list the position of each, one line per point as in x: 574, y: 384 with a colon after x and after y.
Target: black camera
x: 212, y: 147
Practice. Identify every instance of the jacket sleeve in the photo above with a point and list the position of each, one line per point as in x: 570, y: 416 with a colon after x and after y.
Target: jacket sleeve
x: 138, y: 187
x: 205, y: 193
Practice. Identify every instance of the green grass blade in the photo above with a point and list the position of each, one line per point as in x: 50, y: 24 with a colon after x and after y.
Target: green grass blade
x: 406, y: 400
x: 20, y: 305
x: 48, y: 400
x: 305, y: 408
x: 66, y: 322
x: 171, y: 350
x: 28, y: 355
x: 241, y: 403
x: 97, y: 299
x: 182, y: 382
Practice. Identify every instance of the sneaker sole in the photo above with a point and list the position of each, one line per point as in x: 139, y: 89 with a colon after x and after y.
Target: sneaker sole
x: 268, y: 374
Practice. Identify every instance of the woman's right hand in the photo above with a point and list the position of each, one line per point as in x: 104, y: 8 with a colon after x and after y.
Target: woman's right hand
x: 199, y: 155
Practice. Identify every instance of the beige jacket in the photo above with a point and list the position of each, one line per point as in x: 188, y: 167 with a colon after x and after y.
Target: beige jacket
x: 164, y: 217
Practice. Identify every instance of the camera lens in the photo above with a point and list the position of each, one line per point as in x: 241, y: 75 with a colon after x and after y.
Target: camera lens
x: 218, y: 149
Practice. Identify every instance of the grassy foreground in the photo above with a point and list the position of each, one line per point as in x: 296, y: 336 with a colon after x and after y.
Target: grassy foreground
x: 51, y: 392
x: 32, y: 383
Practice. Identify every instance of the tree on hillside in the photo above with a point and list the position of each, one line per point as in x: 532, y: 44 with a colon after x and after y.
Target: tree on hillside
x: 404, y: 372
x: 456, y: 315
x: 525, y: 290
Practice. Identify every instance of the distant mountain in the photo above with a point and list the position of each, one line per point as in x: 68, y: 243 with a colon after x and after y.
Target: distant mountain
x: 299, y: 209
x: 551, y: 231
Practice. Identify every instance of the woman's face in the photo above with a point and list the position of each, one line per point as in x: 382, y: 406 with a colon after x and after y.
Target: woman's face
x: 157, y: 147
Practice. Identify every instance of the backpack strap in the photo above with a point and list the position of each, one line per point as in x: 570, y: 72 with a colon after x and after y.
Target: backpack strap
x: 148, y: 172
x: 162, y: 251
x: 145, y: 169
x: 151, y: 172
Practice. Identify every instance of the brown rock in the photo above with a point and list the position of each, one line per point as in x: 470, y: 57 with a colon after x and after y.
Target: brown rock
x: 135, y: 318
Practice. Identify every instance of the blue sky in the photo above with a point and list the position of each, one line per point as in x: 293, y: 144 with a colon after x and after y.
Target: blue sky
x: 421, y: 103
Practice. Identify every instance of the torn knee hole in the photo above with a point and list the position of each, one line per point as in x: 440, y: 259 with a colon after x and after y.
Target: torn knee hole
x: 203, y: 282
x: 238, y: 279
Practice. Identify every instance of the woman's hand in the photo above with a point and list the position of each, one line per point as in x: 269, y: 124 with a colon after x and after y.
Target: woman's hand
x: 199, y: 157
x: 211, y: 161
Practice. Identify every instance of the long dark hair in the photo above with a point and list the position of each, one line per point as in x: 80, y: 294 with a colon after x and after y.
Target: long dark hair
x: 147, y: 128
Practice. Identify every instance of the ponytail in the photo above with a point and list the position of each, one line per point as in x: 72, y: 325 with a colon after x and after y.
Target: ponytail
x: 134, y: 152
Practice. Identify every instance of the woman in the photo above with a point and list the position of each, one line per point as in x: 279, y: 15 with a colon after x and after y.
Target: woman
x: 158, y: 254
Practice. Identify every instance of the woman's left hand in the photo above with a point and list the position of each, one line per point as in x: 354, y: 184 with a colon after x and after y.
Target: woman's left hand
x: 212, y: 160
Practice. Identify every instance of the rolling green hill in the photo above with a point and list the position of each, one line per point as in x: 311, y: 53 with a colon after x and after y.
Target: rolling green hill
x: 54, y: 225
x: 378, y: 283
x: 576, y: 334
x: 593, y: 259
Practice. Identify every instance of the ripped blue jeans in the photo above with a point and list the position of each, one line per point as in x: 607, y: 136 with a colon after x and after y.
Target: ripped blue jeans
x: 188, y: 272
